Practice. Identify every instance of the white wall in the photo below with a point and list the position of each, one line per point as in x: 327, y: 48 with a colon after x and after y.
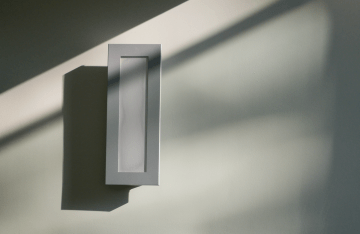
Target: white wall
x: 246, y: 130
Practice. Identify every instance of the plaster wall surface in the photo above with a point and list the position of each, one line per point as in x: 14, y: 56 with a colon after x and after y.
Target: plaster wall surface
x: 247, y: 133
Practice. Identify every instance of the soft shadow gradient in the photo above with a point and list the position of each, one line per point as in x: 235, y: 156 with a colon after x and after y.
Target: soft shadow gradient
x: 254, y: 20
x: 343, y: 195
x: 7, y: 139
x: 84, y: 111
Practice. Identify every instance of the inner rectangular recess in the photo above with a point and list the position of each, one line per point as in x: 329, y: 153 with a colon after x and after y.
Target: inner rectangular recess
x: 132, y: 114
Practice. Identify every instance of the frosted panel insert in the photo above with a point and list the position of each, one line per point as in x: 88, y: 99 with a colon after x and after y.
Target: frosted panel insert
x: 132, y: 114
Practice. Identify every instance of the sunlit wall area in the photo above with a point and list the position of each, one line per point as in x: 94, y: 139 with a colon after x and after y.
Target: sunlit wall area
x: 248, y: 123
x: 246, y: 127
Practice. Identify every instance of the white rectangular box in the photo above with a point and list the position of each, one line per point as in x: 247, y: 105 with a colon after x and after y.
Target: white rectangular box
x: 133, y: 114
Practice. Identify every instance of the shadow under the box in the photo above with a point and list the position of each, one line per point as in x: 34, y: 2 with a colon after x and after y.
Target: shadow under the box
x: 84, y: 113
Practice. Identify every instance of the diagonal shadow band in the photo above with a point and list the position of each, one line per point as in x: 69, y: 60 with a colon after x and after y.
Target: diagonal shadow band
x: 37, y: 36
x: 258, y: 18
x: 7, y: 139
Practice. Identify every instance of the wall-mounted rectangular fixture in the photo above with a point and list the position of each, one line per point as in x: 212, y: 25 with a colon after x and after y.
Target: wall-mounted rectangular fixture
x: 133, y: 114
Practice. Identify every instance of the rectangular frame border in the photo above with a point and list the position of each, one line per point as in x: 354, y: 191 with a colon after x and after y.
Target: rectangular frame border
x: 152, y: 156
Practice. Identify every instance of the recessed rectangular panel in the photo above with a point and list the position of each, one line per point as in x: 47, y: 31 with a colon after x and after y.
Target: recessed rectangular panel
x: 132, y: 113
